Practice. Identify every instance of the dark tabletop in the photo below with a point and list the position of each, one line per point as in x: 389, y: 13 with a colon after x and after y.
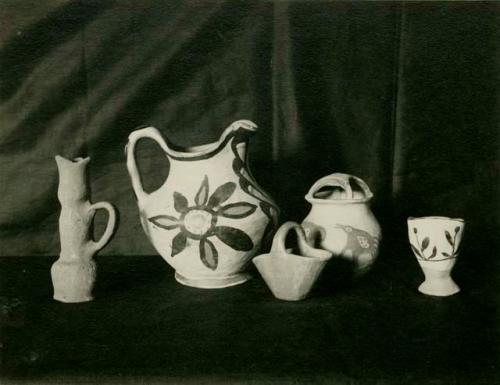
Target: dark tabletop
x: 144, y: 327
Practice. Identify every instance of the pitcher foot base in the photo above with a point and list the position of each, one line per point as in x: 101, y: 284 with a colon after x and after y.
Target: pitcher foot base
x: 213, y: 283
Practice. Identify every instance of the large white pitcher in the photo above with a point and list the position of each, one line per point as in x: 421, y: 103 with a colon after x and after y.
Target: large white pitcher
x: 209, y: 217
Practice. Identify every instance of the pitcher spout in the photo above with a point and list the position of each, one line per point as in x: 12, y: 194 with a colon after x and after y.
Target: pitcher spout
x: 240, y: 128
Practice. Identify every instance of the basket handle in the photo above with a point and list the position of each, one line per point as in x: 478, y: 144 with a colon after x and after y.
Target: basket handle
x: 278, y: 246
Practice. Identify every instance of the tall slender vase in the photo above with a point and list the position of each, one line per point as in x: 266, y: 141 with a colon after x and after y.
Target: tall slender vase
x: 74, y: 273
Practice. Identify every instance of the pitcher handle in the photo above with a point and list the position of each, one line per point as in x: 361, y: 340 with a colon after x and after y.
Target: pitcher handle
x: 305, y: 249
x: 134, y: 137
x: 110, y: 227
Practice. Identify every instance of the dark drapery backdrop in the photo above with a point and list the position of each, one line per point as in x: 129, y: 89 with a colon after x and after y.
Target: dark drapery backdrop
x: 403, y: 95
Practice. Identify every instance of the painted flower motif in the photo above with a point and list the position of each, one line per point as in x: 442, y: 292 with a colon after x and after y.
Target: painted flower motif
x: 199, y: 222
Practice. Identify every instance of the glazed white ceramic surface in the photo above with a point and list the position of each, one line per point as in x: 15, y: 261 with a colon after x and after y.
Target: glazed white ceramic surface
x: 209, y: 217
x: 342, y: 222
x: 435, y: 242
x: 289, y: 276
x: 74, y: 273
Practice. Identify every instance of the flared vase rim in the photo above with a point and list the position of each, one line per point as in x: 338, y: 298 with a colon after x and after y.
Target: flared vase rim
x: 75, y: 160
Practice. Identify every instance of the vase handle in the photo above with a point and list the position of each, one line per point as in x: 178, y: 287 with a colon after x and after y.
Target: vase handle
x: 110, y: 227
x: 134, y: 137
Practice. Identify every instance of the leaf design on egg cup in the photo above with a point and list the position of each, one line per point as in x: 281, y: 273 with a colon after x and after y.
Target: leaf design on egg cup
x: 419, y: 252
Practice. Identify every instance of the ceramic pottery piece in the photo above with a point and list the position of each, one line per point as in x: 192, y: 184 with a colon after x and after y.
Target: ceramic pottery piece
x: 209, y: 217
x: 435, y: 242
x: 290, y: 276
x: 342, y: 222
x: 74, y: 273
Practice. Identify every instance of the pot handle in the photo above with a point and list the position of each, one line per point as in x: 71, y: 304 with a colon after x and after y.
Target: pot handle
x: 134, y: 137
x: 362, y: 184
x: 306, y: 250
x: 340, y: 180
